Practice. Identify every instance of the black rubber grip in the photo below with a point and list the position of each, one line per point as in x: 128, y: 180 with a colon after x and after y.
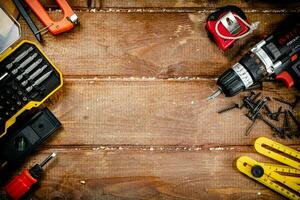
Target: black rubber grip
x: 230, y: 83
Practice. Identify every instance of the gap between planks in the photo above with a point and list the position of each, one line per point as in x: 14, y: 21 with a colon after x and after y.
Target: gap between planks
x: 173, y: 10
x: 158, y: 148
x: 90, y: 78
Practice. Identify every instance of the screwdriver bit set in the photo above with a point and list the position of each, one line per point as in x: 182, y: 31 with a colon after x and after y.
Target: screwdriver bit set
x: 27, y: 78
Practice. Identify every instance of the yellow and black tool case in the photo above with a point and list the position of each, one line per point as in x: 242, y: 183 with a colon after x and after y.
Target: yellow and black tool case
x: 27, y: 76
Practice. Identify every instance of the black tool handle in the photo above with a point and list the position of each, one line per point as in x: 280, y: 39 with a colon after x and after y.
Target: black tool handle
x: 28, y: 20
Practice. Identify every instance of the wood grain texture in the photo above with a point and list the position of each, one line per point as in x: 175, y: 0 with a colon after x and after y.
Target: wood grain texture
x: 136, y: 123
x: 153, y: 112
x: 159, y: 4
x: 126, y: 173
x: 145, y: 44
x: 10, y: 7
x: 75, y: 4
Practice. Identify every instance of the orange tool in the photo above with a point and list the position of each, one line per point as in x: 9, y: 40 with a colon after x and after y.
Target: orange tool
x: 68, y: 22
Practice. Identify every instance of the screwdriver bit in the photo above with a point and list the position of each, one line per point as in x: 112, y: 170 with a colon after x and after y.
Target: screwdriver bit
x: 34, y: 75
x: 19, y: 58
x: 29, y: 69
x: 3, y: 76
x: 39, y: 81
x: 24, y: 63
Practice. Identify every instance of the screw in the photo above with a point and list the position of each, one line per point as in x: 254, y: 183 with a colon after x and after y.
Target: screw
x: 286, y: 129
x: 296, y: 102
x: 256, y: 96
x: 283, y: 101
x: 248, y: 104
x: 257, y: 86
x: 248, y: 99
x: 275, y: 116
x: 272, y: 126
x: 230, y: 107
x: 269, y: 112
x: 294, y: 119
x: 249, y: 129
x: 254, y: 112
x: 251, y: 93
x: 297, y: 132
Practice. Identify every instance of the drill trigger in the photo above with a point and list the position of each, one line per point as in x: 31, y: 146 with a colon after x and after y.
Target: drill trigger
x: 286, y: 78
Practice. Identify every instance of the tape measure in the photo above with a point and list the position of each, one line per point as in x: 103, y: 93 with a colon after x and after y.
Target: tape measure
x: 227, y: 25
x: 284, y: 179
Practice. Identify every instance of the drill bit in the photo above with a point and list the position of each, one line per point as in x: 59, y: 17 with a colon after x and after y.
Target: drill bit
x: 25, y: 63
x: 215, y: 94
x: 29, y: 69
x: 34, y: 75
x: 3, y: 77
x: 19, y: 58
x: 50, y: 157
x: 39, y: 81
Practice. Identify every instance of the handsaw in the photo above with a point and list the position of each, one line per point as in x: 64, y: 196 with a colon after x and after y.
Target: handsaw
x: 284, y: 179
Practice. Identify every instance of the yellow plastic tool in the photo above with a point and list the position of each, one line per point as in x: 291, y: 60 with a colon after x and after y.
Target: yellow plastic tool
x: 284, y: 179
x: 31, y: 104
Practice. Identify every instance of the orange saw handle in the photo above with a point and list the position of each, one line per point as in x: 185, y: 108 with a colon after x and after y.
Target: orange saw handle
x: 55, y: 27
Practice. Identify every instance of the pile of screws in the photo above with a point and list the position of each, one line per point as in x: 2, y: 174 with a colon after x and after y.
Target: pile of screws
x: 255, y: 104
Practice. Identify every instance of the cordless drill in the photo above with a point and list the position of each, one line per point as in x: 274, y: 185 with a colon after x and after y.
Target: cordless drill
x: 277, y: 55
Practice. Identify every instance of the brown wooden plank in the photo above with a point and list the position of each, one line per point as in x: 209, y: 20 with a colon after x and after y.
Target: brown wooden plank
x: 252, y: 4
x: 145, y: 44
x: 10, y: 7
x: 125, y: 173
x: 75, y: 4
x: 152, y: 112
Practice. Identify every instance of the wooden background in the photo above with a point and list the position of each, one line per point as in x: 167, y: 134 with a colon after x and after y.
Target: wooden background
x: 136, y: 122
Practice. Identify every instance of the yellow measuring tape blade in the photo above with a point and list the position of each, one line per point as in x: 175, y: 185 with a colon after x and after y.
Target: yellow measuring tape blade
x: 277, y: 151
x: 270, y: 178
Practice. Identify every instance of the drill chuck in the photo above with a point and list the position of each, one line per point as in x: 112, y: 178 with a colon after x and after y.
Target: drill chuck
x: 230, y: 83
x: 242, y: 75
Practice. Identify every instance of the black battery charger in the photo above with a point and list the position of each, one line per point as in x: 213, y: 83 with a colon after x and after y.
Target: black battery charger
x: 21, y: 141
